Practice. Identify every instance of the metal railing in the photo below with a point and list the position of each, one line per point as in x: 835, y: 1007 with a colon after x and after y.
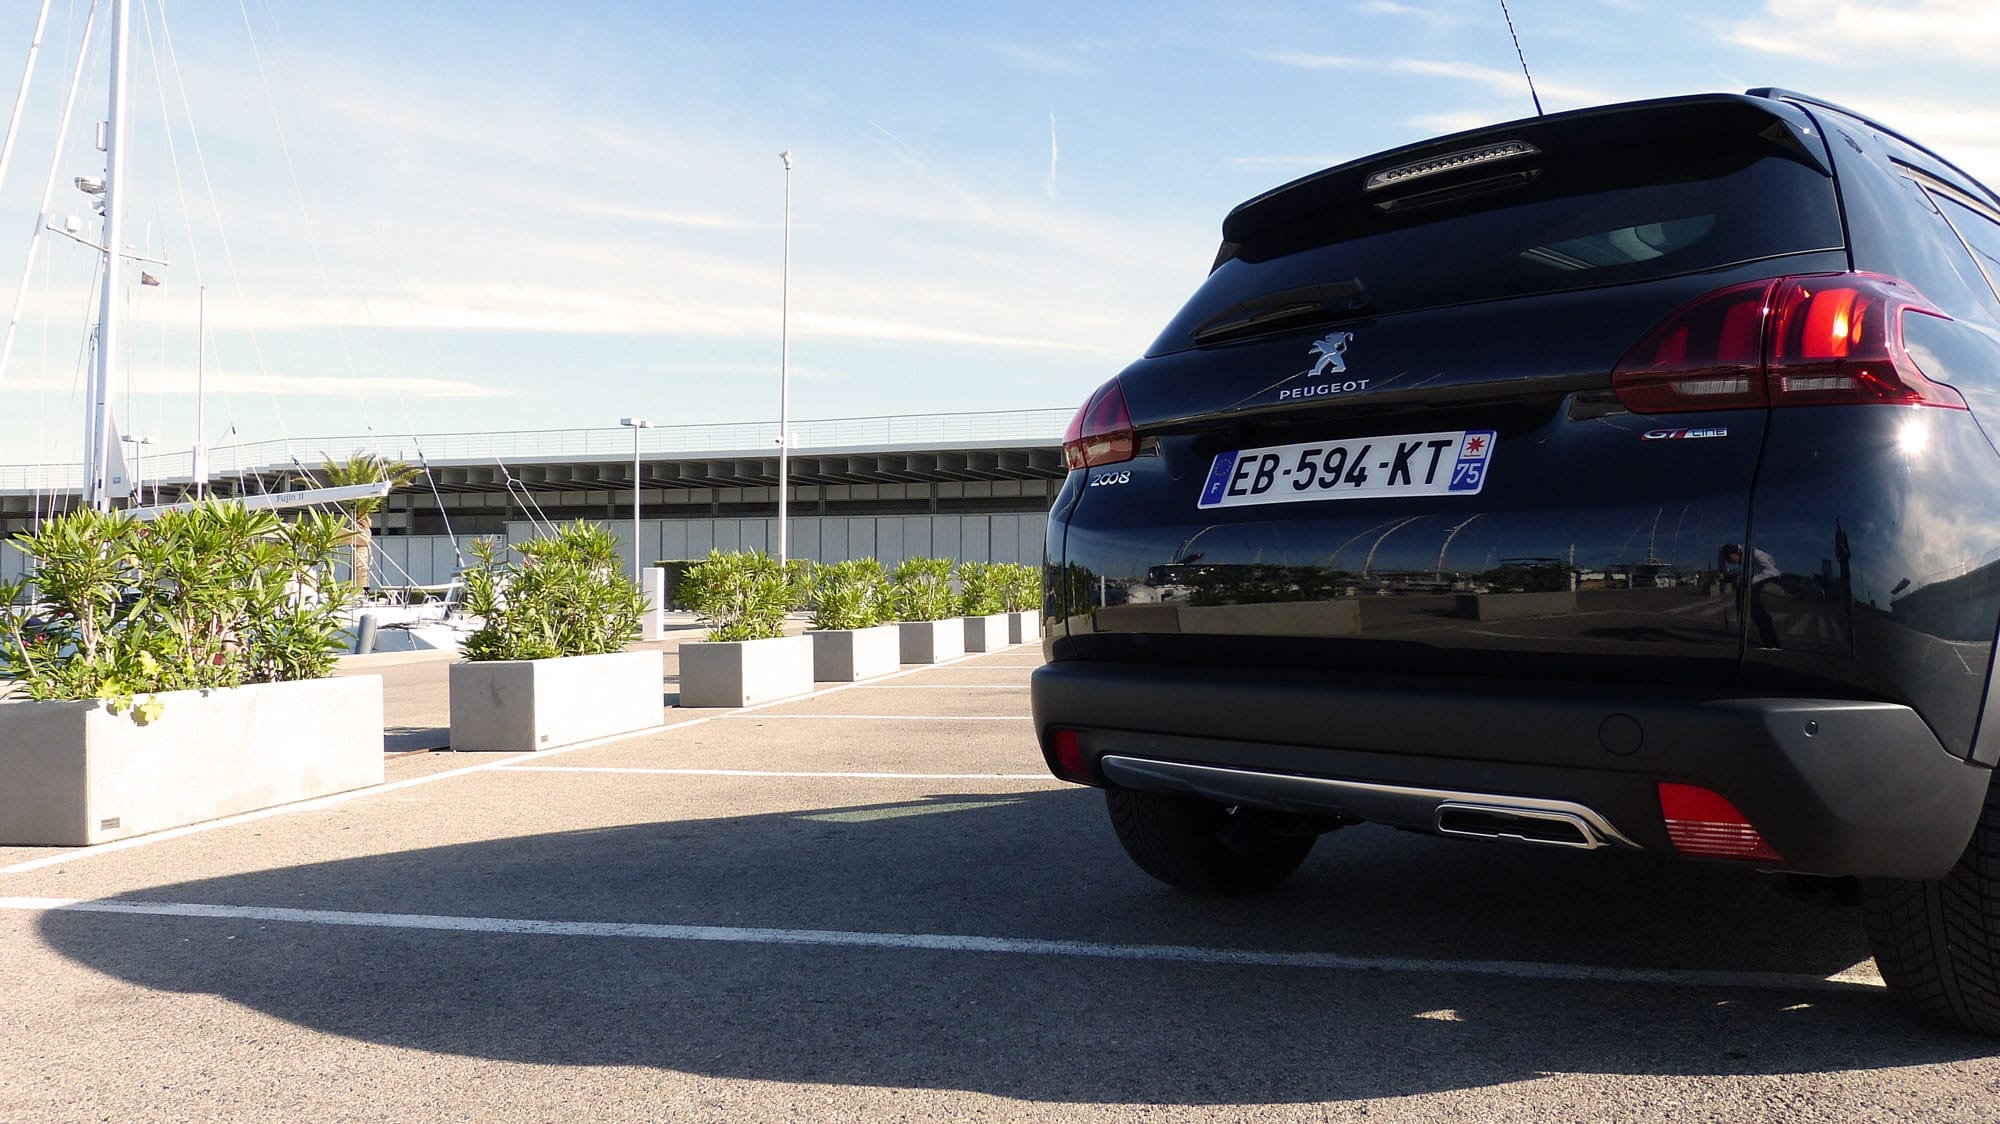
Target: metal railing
x: 1014, y: 427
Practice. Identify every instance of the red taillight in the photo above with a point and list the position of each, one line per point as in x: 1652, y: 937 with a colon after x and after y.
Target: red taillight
x: 1066, y: 754
x: 1820, y: 339
x: 1709, y: 355
x: 1839, y: 340
x: 1703, y: 824
x: 1101, y: 432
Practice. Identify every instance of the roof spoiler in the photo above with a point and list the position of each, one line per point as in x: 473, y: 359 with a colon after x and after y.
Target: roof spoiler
x: 1778, y: 94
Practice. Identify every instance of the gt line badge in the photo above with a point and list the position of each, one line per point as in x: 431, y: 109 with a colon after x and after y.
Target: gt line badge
x: 1684, y: 434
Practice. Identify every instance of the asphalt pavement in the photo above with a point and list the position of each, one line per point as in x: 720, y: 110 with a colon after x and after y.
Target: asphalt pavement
x: 873, y: 904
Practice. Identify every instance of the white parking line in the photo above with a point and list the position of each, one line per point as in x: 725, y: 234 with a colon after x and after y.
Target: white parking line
x: 892, y: 717
x: 941, y: 686
x: 1852, y: 980
x: 783, y: 773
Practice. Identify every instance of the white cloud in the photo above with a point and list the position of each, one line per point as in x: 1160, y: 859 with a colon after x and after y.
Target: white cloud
x: 1453, y: 122
x: 862, y: 327
x: 1392, y: 8
x: 1285, y: 163
x: 1049, y: 186
x: 1851, y: 31
x: 1505, y: 83
x: 1033, y: 58
x: 948, y: 204
x: 654, y: 217
x: 183, y: 382
x: 607, y: 311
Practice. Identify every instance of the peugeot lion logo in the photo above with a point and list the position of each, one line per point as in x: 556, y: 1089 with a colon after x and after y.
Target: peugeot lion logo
x: 1329, y: 352
x: 1329, y: 355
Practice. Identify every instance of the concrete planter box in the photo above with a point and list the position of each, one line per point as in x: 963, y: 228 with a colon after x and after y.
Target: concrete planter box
x: 1024, y: 627
x: 932, y: 641
x: 1514, y: 606
x: 73, y: 774
x: 852, y: 654
x: 520, y: 705
x: 745, y: 672
x: 985, y: 634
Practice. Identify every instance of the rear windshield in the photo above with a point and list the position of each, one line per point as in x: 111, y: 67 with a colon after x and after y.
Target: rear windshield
x: 1611, y: 217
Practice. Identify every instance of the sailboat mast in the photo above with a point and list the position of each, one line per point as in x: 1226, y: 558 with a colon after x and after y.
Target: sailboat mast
x: 198, y: 456
x: 97, y: 491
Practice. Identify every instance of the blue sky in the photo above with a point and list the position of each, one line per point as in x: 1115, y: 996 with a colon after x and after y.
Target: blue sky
x: 455, y: 217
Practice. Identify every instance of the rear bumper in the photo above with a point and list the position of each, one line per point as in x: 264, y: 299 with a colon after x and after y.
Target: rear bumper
x: 1835, y: 786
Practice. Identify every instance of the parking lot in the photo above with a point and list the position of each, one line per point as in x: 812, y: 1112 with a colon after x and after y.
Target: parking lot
x: 872, y: 903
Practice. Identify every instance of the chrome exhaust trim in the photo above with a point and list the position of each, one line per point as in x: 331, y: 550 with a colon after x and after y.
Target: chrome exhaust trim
x: 1490, y: 820
x: 1479, y: 815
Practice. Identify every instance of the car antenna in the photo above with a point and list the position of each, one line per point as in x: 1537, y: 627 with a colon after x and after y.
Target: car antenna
x: 1523, y: 57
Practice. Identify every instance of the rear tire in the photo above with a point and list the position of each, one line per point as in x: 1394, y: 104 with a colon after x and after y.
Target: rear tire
x: 1203, y: 846
x: 1938, y: 943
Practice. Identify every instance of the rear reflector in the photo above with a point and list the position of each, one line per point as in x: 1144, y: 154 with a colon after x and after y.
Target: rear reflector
x: 1702, y: 824
x: 1101, y: 432
x: 1066, y: 753
x: 1810, y: 340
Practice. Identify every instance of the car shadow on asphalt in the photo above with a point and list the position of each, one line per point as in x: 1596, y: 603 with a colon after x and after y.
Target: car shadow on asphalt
x: 1044, y: 1026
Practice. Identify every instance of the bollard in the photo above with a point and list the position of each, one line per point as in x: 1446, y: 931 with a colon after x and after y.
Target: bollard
x: 654, y: 583
x: 364, y: 635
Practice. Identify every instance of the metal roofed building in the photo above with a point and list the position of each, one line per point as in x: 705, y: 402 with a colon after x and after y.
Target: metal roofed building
x: 971, y: 486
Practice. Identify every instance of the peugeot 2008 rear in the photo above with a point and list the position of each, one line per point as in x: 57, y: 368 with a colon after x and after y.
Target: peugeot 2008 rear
x: 1618, y: 479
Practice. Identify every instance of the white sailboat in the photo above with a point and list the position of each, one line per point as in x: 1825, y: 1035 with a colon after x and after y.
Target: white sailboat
x: 107, y: 479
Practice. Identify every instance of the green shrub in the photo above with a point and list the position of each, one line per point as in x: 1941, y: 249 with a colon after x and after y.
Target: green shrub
x: 798, y: 585
x: 923, y: 590
x: 1020, y: 587
x: 851, y: 594
x: 207, y: 597
x: 739, y: 596
x: 980, y: 588
x: 565, y: 597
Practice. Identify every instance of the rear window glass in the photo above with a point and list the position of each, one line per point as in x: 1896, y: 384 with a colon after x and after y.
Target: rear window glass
x: 1613, y: 217
x: 1981, y: 234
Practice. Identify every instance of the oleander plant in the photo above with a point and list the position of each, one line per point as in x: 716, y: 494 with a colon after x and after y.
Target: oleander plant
x: 741, y: 595
x: 204, y: 597
x: 565, y: 595
x: 923, y: 590
x: 981, y: 588
x: 1020, y: 587
x: 851, y: 594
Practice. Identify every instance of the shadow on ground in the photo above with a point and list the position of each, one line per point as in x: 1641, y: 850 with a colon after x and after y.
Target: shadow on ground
x: 1038, y: 1027
x: 407, y: 739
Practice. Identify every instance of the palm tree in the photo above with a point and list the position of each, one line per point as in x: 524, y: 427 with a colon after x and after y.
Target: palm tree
x: 365, y: 468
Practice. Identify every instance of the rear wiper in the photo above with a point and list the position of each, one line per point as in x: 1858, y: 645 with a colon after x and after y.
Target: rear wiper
x: 1323, y: 302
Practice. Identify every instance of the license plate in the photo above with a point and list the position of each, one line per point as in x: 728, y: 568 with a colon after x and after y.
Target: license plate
x: 1409, y: 464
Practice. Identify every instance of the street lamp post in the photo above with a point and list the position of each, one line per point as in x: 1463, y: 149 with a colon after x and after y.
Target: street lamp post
x: 636, y: 424
x: 784, y: 371
x: 138, y: 465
